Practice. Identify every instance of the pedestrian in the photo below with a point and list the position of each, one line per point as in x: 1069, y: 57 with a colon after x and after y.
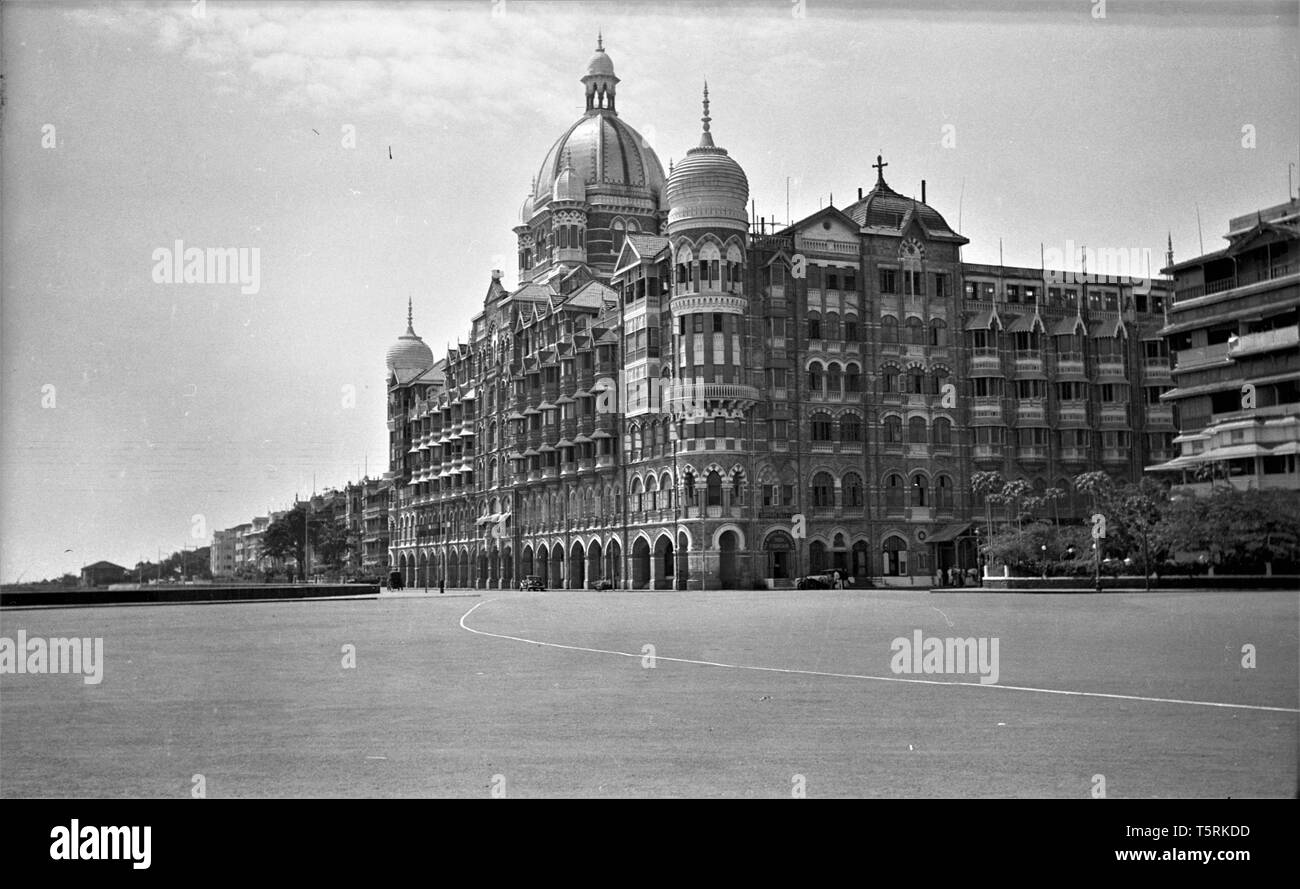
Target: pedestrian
x: 442, y: 584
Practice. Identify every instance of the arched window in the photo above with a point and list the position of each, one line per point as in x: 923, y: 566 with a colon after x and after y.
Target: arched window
x: 893, y: 430
x: 831, y: 326
x: 688, y: 485
x: 834, y: 378
x: 920, y: 490
x: 815, y: 378
x: 714, y: 488
x: 916, y: 430
x: 938, y: 332
x: 652, y: 489
x: 942, y: 432
x: 943, y: 492
x: 853, y: 378
x: 821, y: 427
x: 915, y: 331
x: 638, y: 495
x: 617, y: 233
x: 893, y: 491
x: 851, y: 429
x: 889, y: 381
x: 852, y: 486
x: 823, y: 491
x: 666, y: 485
x: 888, y: 329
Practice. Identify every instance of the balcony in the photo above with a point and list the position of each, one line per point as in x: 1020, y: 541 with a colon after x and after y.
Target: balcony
x: 1029, y: 363
x: 1110, y: 367
x: 1264, y: 341
x: 1160, y: 415
x: 684, y: 395
x: 1074, y: 455
x: 987, y: 452
x: 1223, y: 285
x: 1032, y: 454
x: 1033, y: 412
x: 1155, y: 369
x: 1071, y: 365
x: 1115, y: 455
x: 707, y: 301
x: 1073, y: 412
x: 919, y: 514
x: 986, y: 410
x: 1202, y: 356
x: 985, y: 359
x: 836, y: 248
x: 1113, y: 415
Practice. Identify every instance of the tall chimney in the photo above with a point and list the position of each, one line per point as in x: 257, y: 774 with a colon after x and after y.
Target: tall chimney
x: 923, y: 191
x: 859, y: 192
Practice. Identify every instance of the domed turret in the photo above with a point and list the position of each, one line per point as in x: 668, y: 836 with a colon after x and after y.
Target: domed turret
x: 707, y: 188
x: 600, y: 81
x: 409, y: 356
x: 568, y: 187
x: 526, y: 211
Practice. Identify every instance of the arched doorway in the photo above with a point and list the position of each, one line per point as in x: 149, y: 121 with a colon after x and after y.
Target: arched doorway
x: 664, y: 563
x: 894, y: 557
x: 557, y: 568
x: 480, y: 579
x: 640, y: 564
x: 526, y: 563
x: 861, y: 569
x: 683, y: 562
x: 422, y: 575
x: 840, y: 553
x: 542, y: 565
x: 817, y: 557
x: 778, y: 547
x: 577, y: 567
x: 401, y: 566
x: 728, y: 575
x: 507, y: 569
x: 594, y: 562
x: 614, y: 564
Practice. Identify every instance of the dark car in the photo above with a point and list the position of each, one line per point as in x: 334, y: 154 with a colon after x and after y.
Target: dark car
x: 532, y: 582
x: 603, y: 584
x: 827, y: 580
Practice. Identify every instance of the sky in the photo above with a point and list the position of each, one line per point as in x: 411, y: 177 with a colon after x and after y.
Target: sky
x: 141, y: 414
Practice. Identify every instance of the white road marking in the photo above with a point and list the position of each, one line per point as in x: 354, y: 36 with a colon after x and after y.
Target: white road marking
x: 1045, y: 691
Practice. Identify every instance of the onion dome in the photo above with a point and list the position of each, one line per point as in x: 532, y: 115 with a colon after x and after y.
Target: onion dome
x: 707, y: 187
x: 409, y: 356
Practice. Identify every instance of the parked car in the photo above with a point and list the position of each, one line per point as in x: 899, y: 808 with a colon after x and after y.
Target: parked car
x: 602, y: 584
x: 532, y: 582
x: 827, y: 580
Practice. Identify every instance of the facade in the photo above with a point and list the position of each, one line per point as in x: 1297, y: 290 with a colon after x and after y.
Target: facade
x: 1234, y: 336
x: 102, y: 574
x: 676, y: 396
x: 222, y: 556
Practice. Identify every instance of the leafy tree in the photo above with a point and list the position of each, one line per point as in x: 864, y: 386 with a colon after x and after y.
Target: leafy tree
x: 1234, y: 529
x: 283, y: 538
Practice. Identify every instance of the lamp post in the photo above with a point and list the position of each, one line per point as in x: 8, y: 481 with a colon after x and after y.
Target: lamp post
x: 1096, y: 548
x: 1044, y: 550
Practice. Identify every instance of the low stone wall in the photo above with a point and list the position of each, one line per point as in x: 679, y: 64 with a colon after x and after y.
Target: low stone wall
x: 164, y: 593
x: 1132, y: 582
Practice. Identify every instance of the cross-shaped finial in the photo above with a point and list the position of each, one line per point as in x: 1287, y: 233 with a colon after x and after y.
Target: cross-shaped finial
x: 880, y: 168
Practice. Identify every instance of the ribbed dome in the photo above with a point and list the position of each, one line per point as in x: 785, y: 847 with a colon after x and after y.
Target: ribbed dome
x: 708, y: 186
x: 409, y: 355
x: 603, y: 151
x: 526, y: 211
x: 882, y: 207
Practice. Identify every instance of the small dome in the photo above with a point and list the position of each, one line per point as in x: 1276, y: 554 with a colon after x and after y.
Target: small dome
x: 601, y: 64
x: 568, y: 187
x: 526, y: 211
x: 707, y: 186
x: 410, y: 355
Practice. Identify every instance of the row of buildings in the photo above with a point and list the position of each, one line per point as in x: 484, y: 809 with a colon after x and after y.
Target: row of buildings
x: 358, y: 509
x: 677, y: 395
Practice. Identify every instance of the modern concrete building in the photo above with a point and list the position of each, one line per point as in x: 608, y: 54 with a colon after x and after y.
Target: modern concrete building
x: 222, y: 561
x: 677, y: 395
x: 1233, y: 333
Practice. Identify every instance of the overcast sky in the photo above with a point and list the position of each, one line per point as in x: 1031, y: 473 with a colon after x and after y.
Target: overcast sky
x: 130, y: 407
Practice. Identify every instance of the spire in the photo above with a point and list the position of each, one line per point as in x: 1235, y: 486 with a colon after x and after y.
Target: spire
x: 600, y: 41
x: 1169, y: 250
x: 410, y: 317
x: 706, y: 138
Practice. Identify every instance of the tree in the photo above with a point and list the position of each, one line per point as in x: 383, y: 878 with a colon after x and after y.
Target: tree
x: 987, y: 484
x: 1234, y: 529
x: 283, y: 538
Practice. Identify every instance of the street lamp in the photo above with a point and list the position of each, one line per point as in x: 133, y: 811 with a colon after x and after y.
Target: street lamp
x: 1096, y: 548
x: 1044, y: 550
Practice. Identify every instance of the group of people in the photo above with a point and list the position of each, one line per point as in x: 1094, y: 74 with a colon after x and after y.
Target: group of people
x: 953, y: 576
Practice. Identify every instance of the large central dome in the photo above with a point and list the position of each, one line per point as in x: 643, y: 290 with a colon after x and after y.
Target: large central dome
x: 603, y: 150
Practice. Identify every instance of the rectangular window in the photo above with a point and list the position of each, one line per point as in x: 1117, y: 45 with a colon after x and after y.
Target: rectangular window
x: 832, y: 281
x: 941, y: 285
x: 851, y: 330
x: 888, y: 281
x: 717, y: 322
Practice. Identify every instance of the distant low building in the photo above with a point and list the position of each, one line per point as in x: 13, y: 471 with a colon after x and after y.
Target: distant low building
x: 102, y: 574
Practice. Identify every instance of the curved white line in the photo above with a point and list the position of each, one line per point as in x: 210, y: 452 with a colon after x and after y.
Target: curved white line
x: 1045, y: 691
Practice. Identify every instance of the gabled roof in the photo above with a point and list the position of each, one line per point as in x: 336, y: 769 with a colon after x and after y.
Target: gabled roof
x: 821, y: 215
x: 593, y: 295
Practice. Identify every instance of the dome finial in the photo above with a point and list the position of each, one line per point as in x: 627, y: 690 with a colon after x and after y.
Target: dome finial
x: 706, y: 138
x: 600, y: 41
x: 410, y: 316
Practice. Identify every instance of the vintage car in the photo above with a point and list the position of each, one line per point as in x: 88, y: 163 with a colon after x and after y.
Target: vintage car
x: 532, y: 582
